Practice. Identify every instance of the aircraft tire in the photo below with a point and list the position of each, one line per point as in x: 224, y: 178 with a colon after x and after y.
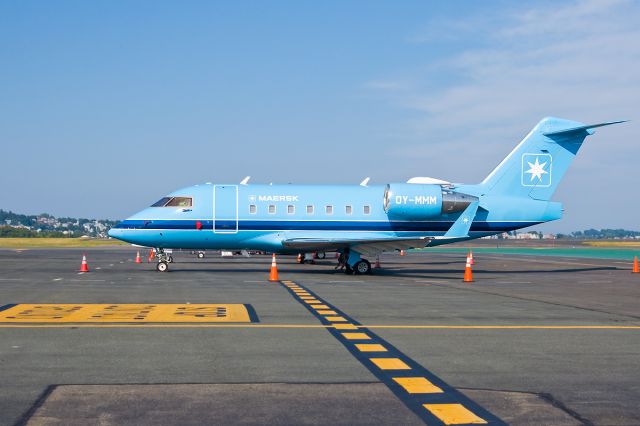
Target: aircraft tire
x: 362, y: 267
x: 200, y: 255
x: 162, y: 267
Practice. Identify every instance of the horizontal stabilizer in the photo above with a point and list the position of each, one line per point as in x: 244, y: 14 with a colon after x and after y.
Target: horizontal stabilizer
x: 574, y: 130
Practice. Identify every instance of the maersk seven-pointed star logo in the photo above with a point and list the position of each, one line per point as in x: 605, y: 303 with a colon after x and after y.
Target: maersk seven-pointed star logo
x: 536, y: 170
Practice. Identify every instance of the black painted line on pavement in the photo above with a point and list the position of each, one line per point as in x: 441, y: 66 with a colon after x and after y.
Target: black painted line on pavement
x: 414, y: 401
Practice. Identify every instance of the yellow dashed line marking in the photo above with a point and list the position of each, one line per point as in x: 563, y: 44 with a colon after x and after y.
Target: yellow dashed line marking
x: 119, y: 313
x: 344, y: 326
x: 454, y: 414
x: 356, y: 336
x: 370, y: 347
x: 320, y: 307
x: 312, y: 302
x: 417, y: 385
x: 324, y: 312
x: 336, y: 319
x: 390, y: 364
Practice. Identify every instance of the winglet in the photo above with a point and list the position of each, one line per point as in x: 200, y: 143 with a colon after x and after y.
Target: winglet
x: 365, y: 182
x: 245, y: 181
x: 460, y: 228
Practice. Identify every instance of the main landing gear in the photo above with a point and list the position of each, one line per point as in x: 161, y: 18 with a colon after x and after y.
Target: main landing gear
x: 361, y: 267
x: 353, y: 263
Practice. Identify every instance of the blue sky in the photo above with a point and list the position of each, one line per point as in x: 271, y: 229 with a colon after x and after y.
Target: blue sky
x: 105, y: 105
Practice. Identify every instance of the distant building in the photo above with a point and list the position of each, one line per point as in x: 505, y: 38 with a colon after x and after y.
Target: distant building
x: 528, y: 236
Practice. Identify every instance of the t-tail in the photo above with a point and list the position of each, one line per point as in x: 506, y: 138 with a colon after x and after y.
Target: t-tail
x: 534, y: 168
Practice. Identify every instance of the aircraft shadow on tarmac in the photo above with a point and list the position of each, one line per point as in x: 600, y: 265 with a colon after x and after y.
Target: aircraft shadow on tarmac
x: 390, y: 269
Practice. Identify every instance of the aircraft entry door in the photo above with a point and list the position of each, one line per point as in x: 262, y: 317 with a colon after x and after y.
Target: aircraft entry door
x: 225, y: 209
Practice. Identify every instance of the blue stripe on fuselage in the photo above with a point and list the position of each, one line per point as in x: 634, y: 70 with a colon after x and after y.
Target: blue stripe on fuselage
x: 298, y: 225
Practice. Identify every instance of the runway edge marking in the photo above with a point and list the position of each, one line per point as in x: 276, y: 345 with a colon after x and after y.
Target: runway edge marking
x: 429, y: 397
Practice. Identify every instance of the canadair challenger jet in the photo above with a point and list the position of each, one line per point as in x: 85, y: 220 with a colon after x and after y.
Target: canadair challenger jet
x: 359, y: 220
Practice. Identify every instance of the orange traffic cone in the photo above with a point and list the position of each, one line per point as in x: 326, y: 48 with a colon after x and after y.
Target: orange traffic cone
x: 470, y: 257
x: 377, y: 264
x: 138, y: 258
x: 151, y: 256
x: 401, y: 252
x: 273, y: 276
x: 84, y: 267
x: 636, y: 269
x: 468, y: 275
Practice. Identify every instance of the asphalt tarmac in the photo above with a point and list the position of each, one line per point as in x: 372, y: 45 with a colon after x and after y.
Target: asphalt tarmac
x: 533, y: 340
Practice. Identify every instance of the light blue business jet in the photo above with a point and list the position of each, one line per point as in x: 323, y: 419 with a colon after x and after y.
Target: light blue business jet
x: 360, y: 220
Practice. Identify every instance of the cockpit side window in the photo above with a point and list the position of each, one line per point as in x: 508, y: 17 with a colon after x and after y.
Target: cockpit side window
x: 180, y: 202
x: 161, y: 202
x: 174, y: 202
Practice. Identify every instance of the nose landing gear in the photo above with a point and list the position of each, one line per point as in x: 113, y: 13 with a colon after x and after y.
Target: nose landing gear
x: 163, y: 260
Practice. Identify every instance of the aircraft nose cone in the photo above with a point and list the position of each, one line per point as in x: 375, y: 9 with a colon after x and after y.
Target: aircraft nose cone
x: 114, y: 233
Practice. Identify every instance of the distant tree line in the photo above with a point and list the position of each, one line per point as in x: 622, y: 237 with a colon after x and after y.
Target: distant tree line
x: 45, y: 225
x: 11, y: 232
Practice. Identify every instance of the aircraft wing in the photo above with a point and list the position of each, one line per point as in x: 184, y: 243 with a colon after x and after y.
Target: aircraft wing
x: 368, y: 247
x: 459, y: 231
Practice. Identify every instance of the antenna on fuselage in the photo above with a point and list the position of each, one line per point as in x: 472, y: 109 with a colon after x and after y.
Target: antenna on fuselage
x: 245, y: 181
x: 365, y: 182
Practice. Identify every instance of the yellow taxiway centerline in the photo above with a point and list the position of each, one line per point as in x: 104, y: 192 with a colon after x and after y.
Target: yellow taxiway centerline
x: 321, y: 326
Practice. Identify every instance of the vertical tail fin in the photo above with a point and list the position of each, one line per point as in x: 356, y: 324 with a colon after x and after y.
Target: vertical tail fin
x: 534, y: 168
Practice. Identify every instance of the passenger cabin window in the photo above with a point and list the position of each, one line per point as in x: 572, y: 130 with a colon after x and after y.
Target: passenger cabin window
x: 309, y: 209
x: 272, y: 209
x: 174, y: 202
x: 253, y: 209
x: 328, y: 209
x: 347, y: 209
x: 366, y: 210
x: 291, y: 209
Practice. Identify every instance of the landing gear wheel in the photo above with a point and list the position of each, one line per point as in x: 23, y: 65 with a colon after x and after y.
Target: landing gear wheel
x: 162, y: 267
x: 322, y: 255
x: 200, y: 255
x: 170, y: 259
x: 348, y: 270
x: 362, y: 267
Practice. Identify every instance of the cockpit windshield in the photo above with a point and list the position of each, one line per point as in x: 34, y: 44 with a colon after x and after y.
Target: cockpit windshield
x: 174, y: 202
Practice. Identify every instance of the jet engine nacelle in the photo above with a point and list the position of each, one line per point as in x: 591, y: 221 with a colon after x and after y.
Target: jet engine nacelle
x: 409, y: 201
